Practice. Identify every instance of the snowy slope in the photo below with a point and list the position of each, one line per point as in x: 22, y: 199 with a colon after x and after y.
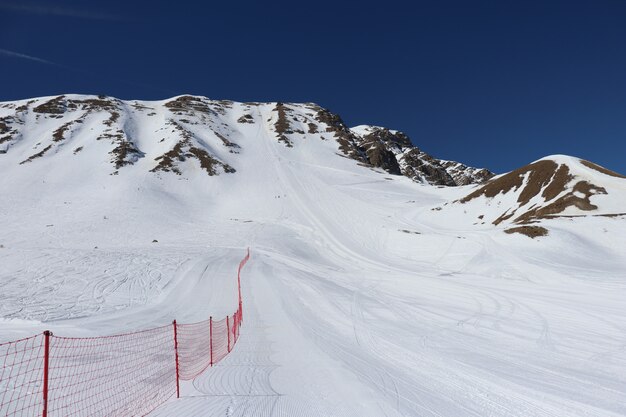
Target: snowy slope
x: 553, y: 187
x: 361, y: 298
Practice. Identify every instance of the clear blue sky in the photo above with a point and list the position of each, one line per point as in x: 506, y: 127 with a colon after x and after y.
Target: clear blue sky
x: 489, y: 83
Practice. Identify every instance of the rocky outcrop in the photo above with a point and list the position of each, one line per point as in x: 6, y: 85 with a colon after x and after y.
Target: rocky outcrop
x: 393, y: 151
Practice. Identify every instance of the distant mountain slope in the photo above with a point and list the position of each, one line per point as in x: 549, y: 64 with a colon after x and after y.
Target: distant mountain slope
x: 185, y: 134
x: 555, y: 186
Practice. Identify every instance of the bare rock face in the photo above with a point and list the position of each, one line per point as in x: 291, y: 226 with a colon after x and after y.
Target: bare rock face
x: 381, y: 147
x: 380, y: 156
x: 348, y: 141
x: 393, y: 151
x: 464, y: 175
x: 422, y: 167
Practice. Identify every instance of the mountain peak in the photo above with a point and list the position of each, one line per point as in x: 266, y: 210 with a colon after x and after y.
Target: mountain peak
x: 187, y: 133
x: 551, y: 187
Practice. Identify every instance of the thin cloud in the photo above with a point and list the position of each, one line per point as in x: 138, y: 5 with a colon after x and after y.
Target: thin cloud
x: 31, y: 58
x: 13, y: 54
x: 55, y: 10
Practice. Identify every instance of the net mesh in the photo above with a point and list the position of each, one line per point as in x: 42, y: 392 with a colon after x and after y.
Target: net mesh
x: 194, y: 349
x: 119, y: 375
x: 21, y: 377
x: 122, y: 375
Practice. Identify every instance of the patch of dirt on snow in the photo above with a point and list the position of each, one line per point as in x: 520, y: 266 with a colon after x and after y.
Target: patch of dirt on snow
x: 530, y: 231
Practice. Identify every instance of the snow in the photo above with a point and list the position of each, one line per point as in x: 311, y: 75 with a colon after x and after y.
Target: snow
x: 359, y: 299
x: 363, y: 130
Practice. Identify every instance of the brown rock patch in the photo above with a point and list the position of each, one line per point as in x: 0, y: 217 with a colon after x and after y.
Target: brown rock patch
x: 282, y: 125
x: 59, y: 134
x: 55, y: 106
x: 344, y: 136
x: 601, y: 169
x: 246, y: 118
x: 530, y: 231
x: 184, y: 150
x: 540, y: 173
x: 37, y: 155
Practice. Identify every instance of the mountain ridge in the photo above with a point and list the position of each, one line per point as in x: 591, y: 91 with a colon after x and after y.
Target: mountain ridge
x: 195, y: 128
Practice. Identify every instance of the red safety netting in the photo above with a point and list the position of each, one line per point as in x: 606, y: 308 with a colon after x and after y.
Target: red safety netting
x: 122, y: 375
x: 194, y: 349
x: 21, y: 377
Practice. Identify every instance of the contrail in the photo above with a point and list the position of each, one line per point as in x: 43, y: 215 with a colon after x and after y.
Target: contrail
x: 14, y: 54
x: 46, y: 9
x: 28, y: 57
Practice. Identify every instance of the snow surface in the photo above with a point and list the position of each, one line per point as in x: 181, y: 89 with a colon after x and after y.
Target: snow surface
x: 359, y: 300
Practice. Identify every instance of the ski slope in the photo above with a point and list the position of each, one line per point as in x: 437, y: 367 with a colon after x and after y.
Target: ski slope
x: 359, y: 300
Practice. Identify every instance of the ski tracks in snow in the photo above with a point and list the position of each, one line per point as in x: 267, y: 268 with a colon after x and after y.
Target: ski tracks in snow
x: 240, y: 385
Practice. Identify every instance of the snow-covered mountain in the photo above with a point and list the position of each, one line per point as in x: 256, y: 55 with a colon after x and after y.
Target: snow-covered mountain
x: 367, y: 294
x: 553, y: 187
x: 185, y: 131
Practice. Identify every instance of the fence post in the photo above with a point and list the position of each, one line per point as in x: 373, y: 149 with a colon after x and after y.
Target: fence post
x: 228, y: 332
x: 176, y: 352
x: 46, y: 363
x: 211, y: 338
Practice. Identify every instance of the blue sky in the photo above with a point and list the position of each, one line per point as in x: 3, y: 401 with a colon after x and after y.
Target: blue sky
x: 489, y: 83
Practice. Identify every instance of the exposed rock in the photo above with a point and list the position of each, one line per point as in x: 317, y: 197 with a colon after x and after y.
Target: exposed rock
x: 464, y: 175
x: 59, y: 134
x: 125, y: 153
x: 345, y: 137
x: 421, y: 167
x: 601, y: 169
x: 246, y: 118
x: 55, y: 106
x: 542, y: 190
x: 282, y: 125
x: 539, y: 176
x: 188, y: 104
x: 530, y: 231
x: 37, y: 155
x: 184, y: 150
x: 192, y: 116
x: 382, y: 144
x: 380, y: 156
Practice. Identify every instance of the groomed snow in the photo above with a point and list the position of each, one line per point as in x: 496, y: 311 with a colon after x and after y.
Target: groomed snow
x: 359, y: 300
